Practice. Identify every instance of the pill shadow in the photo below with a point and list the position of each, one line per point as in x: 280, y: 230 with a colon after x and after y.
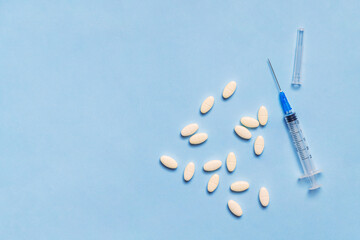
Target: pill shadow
x: 204, y: 114
x: 206, y: 172
x: 197, y: 145
x: 187, y: 182
x: 238, y: 193
x: 168, y: 169
x: 262, y: 207
x: 210, y: 193
x: 253, y: 150
x: 183, y: 137
x: 263, y: 126
x: 228, y: 172
x: 211, y: 172
x: 256, y: 156
x: 227, y: 99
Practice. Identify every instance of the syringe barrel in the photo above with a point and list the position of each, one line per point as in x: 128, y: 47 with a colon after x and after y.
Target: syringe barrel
x: 302, y: 149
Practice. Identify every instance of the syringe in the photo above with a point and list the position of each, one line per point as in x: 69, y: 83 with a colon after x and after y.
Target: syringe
x: 298, y: 138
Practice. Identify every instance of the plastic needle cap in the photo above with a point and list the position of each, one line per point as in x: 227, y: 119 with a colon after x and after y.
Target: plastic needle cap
x: 296, y: 79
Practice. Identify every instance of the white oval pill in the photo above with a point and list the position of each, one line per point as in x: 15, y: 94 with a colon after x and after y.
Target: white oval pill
x: 263, y: 115
x: 213, y: 183
x: 264, y: 197
x: 189, y: 130
x: 259, y: 145
x: 231, y: 162
x: 229, y: 89
x: 168, y: 162
x: 239, y: 186
x: 234, y: 208
x: 243, y: 132
x: 198, y: 138
x: 249, y: 122
x: 212, y: 165
x: 189, y: 171
x: 207, y: 104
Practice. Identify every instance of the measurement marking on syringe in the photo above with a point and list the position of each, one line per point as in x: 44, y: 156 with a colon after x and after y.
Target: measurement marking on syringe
x: 297, y: 136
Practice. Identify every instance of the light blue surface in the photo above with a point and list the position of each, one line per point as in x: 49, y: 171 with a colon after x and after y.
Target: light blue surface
x: 94, y: 92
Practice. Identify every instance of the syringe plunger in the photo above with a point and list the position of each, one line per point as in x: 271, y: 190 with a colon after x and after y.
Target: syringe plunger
x: 302, y: 150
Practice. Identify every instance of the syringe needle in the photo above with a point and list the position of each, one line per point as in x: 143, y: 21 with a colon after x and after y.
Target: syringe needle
x: 297, y: 136
x: 272, y: 70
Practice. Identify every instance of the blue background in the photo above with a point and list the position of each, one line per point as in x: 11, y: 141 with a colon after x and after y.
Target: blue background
x: 94, y: 92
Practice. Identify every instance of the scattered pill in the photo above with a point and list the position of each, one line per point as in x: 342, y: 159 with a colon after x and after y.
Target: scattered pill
x: 239, y: 186
x: 243, y: 132
x: 213, y: 183
x: 212, y: 165
x: 189, y: 130
x: 229, y: 89
x: 234, y: 208
x: 259, y: 145
x: 231, y: 162
x: 263, y: 115
x: 207, y: 105
x: 198, y: 138
x: 264, y: 197
x: 168, y: 162
x: 249, y: 122
x: 189, y: 171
